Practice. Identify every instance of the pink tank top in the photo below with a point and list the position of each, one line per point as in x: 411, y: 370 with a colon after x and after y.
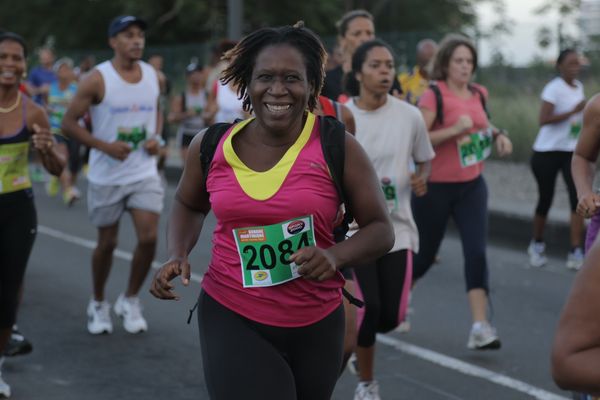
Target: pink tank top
x: 298, y: 185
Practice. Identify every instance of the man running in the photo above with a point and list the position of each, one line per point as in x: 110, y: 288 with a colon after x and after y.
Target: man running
x: 415, y: 83
x: 122, y: 96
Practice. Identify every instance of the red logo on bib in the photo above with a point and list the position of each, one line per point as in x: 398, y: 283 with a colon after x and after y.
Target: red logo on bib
x: 295, y: 227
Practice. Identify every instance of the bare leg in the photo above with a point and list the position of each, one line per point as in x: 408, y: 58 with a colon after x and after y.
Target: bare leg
x: 539, y: 224
x: 577, y: 229
x: 366, y: 360
x: 146, y: 226
x: 478, y: 302
x: 103, y: 257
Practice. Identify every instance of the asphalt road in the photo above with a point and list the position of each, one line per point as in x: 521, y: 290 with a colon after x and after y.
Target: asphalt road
x: 430, y: 362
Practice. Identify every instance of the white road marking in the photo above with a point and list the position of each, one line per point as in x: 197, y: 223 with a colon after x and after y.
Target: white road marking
x: 407, y: 348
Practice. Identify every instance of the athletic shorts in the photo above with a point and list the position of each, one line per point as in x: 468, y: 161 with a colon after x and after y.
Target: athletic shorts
x: 106, y: 203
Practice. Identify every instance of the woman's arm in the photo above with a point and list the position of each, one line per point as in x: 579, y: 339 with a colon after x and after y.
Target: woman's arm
x: 43, y: 141
x: 547, y: 115
x: 176, y: 111
x: 367, y: 204
x: 583, y: 163
x: 184, y: 225
x: 439, y: 136
x: 576, y: 349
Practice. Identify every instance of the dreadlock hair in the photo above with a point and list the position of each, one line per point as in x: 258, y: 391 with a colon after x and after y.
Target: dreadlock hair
x: 13, y: 37
x: 243, y: 57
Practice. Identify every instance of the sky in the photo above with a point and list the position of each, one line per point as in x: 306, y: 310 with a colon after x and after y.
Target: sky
x: 520, y: 47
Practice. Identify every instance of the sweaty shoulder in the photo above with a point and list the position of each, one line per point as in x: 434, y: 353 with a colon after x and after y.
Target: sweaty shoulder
x: 593, y: 105
x: 93, y: 86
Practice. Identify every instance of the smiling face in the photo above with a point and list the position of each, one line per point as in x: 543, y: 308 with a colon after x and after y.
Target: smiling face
x: 129, y: 43
x: 460, y: 66
x: 570, y: 67
x: 377, y: 71
x: 12, y: 63
x: 279, y: 88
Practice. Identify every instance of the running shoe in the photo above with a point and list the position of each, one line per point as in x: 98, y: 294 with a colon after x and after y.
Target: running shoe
x: 4, y: 388
x: 52, y: 186
x: 352, y: 364
x: 17, y: 344
x: 575, y: 259
x: 537, y: 254
x: 367, y: 391
x: 99, y: 317
x: 130, y: 310
x: 483, y: 337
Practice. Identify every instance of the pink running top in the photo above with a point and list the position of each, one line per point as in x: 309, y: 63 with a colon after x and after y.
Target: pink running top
x: 298, y: 185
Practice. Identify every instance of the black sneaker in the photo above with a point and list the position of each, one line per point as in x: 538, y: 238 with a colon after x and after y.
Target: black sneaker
x: 18, y: 344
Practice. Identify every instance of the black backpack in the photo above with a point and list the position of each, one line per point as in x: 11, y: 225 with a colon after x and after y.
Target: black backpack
x: 439, y: 102
x: 333, y: 139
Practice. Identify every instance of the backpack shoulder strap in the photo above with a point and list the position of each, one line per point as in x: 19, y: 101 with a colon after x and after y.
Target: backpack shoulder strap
x: 475, y: 89
x: 333, y: 143
x: 183, y: 101
x: 209, y: 144
x: 439, y: 102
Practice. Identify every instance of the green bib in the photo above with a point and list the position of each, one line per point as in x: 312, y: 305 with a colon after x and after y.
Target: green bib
x: 575, y: 129
x: 474, y: 148
x: 134, y: 135
x: 265, y: 250
x: 14, y: 167
x: 391, y: 193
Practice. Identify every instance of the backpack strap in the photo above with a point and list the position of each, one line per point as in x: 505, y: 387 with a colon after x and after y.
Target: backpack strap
x: 183, y: 101
x: 338, y: 111
x: 209, y: 144
x: 439, y: 102
x: 333, y: 142
x: 475, y: 90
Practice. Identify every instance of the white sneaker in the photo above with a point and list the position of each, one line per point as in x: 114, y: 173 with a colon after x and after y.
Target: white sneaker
x: 4, y: 388
x: 575, y: 259
x: 367, y: 391
x: 352, y: 364
x: 483, y: 337
x: 99, y: 317
x: 130, y: 309
x: 537, y: 254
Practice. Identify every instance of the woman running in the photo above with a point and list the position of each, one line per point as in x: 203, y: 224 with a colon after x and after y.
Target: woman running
x: 455, y: 114
x: 271, y: 298
x: 21, y: 122
x: 393, y: 134
x: 560, y: 124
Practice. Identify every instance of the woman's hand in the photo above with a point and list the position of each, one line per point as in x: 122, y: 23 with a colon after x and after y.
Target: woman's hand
x: 315, y: 263
x: 504, y: 146
x: 161, y: 286
x: 464, y: 123
x: 588, y: 205
x: 43, y: 141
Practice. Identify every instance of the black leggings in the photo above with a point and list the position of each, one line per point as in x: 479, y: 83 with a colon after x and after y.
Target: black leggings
x: 18, y: 224
x: 243, y: 359
x: 466, y: 202
x: 384, y: 286
x: 545, y: 166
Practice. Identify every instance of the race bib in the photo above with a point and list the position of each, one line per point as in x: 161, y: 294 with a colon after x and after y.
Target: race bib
x: 265, y: 250
x: 475, y: 147
x: 132, y: 135
x: 390, y: 192
x: 575, y: 129
x: 14, y: 169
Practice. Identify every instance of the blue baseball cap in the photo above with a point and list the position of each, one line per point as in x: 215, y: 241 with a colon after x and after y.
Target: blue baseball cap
x: 123, y: 22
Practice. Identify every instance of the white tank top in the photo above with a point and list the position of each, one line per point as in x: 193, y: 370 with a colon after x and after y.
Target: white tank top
x: 193, y: 125
x: 230, y: 107
x: 128, y: 113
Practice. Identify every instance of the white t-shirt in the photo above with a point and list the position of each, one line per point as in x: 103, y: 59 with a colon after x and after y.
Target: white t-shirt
x: 128, y: 112
x: 561, y: 136
x: 394, y: 136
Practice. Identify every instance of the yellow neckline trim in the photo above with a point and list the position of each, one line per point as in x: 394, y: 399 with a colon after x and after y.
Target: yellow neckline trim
x: 263, y: 185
